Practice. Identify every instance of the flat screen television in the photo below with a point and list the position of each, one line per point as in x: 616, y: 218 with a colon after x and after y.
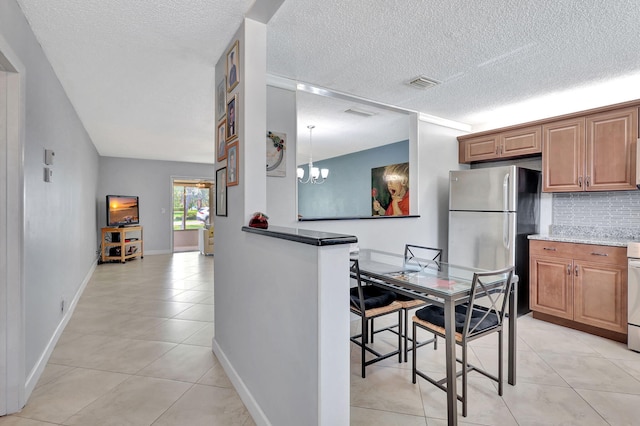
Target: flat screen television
x: 122, y: 210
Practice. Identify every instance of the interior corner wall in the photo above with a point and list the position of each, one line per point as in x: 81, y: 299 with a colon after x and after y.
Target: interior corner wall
x: 59, y: 217
x: 151, y: 181
x: 437, y: 152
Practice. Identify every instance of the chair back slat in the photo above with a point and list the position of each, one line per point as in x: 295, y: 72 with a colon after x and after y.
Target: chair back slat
x: 355, y: 274
x: 494, y: 287
x: 422, y: 255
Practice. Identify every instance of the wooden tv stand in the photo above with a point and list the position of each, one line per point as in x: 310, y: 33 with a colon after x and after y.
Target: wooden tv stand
x: 130, y: 246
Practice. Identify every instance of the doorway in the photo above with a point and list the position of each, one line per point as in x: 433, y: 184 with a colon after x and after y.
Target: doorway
x: 192, y: 211
x: 12, y: 326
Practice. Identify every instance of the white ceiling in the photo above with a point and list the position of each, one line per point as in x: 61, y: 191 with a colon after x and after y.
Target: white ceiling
x: 140, y: 73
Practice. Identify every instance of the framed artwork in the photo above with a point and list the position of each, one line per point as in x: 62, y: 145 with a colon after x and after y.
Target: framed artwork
x: 221, y: 192
x: 233, y: 67
x: 276, y: 158
x: 221, y: 100
x: 221, y: 141
x: 232, y: 163
x: 232, y: 125
x: 390, y: 190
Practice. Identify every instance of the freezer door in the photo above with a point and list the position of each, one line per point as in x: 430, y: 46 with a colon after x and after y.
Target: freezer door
x: 490, y: 189
x: 482, y: 239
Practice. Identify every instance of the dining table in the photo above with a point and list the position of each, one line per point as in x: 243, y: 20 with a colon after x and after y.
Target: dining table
x: 441, y: 284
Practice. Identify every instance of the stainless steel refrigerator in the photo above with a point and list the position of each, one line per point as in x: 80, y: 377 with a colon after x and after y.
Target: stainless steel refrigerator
x: 491, y: 213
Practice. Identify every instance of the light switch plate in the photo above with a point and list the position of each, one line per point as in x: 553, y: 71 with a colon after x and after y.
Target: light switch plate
x: 48, y: 156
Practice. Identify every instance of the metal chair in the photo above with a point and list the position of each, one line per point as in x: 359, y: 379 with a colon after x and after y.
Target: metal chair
x: 416, y: 254
x: 369, y: 302
x: 493, y: 287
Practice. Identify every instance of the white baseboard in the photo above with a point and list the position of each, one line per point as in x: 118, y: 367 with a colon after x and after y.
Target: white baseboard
x: 245, y: 395
x: 38, y: 369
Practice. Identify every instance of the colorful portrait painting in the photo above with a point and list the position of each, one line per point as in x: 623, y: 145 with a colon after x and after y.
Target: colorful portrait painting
x: 390, y: 190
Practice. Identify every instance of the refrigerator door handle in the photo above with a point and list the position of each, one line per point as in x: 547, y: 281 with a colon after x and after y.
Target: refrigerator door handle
x: 505, y: 202
x: 505, y: 230
x: 505, y: 192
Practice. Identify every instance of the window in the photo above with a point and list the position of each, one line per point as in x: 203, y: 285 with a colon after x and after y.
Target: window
x: 191, y: 205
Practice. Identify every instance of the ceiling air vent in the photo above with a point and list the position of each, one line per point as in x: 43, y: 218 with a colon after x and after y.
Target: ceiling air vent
x: 360, y: 112
x: 422, y: 82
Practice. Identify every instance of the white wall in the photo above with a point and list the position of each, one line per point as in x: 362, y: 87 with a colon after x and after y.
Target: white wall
x: 281, y: 191
x: 59, y: 217
x: 437, y: 154
x: 271, y: 332
x: 150, y: 180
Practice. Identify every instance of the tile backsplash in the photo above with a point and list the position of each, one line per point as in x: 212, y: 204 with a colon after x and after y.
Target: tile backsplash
x: 596, y: 213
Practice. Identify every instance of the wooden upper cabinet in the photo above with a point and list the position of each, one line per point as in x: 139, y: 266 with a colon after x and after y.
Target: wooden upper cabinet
x: 563, y: 155
x: 495, y: 146
x: 592, y: 153
x: 611, y: 150
x: 525, y: 141
x: 480, y: 148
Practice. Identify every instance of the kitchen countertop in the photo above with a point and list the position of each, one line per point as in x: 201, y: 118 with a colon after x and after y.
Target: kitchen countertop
x: 603, y: 236
x: 601, y: 241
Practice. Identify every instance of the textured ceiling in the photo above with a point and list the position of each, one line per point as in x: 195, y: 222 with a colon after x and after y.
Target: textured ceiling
x: 140, y: 73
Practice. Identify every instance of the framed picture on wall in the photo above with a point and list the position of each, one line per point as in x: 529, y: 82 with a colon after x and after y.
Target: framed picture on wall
x: 221, y: 141
x: 232, y: 124
x: 232, y: 163
x: 233, y: 67
x: 221, y: 192
x: 221, y: 99
x: 390, y: 190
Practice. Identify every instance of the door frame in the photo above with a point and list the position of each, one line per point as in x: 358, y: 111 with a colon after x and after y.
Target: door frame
x: 12, y: 289
x: 178, y: 179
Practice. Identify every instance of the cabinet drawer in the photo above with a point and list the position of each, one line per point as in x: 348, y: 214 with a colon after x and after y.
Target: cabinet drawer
x: 600, y: 254
x: 585, y: 252
x: 551, y: 248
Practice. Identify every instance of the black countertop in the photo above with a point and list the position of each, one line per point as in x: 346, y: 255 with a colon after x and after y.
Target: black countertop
x: 304, y: 236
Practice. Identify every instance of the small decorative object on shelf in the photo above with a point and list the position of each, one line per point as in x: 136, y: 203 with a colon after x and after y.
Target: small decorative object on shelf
x: 259, y: 220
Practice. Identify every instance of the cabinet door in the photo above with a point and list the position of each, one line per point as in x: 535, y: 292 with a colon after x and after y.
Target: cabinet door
x: 563, y: 156
x: 478, y: 149
x: 550, y: 286
x: 519, y: 142
x: 600, y: 295
x: 611, y: 150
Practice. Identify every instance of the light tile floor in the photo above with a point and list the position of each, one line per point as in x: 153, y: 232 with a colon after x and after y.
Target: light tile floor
x: 137, y: 351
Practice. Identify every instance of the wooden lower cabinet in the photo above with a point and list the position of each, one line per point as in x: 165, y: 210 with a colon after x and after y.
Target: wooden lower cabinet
x: 600, y: 295
x: 551, y: 287
x: 583, y: 283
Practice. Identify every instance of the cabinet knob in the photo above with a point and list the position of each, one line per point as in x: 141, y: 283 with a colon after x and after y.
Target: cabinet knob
x: 569, y: 269
x: 593, y: 253
x: 549, y: 248
x: 576, y: 269
x: 580, y: 181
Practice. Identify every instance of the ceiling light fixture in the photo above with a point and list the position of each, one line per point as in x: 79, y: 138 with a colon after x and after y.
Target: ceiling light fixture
x: 314, y: 172
x: 422, y: 82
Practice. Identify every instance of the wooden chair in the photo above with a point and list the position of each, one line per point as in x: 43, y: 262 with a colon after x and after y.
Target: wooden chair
x: 418, y: 255
x: 369, y: 302
x: 493, y: 287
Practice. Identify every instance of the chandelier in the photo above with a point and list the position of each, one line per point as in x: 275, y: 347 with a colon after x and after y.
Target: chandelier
x: 314, y: 172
